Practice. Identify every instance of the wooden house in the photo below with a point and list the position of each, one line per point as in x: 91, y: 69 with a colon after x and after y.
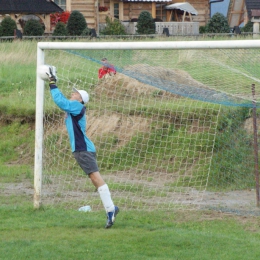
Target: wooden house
x: 23, y: 10
x: 95, y: 11
x: 242, y: 11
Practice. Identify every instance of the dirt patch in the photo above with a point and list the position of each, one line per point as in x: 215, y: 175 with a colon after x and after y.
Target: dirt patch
x: 232, y: 202
x: 174, y: 75
x: 248, y: 125
x: 124, y: 127
x: 128, y: 85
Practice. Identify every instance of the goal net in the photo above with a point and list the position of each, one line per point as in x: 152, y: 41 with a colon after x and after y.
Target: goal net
x: 172, y: 124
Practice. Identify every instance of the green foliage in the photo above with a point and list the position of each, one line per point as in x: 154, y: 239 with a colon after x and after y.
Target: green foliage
x: 8, y: 25
x: 1, y: 30
x: 202, y: 29
x: 248, y: 27
x: 33, y: 28
x: 113, y: 27
x: 76, y: 23
x: 60, y: 29
x: 86, y: 32
x: 145, y: 24
x: 218, y: 24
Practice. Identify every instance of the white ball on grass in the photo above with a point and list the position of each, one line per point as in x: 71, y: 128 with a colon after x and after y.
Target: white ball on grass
x: 85, y: 208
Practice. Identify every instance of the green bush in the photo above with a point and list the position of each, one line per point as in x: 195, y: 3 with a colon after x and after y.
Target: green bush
x: 145, y: 24
x: 33, y: 28
x: 60, y: 29
x: 248, y: 27
x: 76, y: 23
x: 86, y: 32
x: 113, y: 27
x: 218, y: 24
x: 1, y: 30
x: 202, y: 29
x: 8, y: 26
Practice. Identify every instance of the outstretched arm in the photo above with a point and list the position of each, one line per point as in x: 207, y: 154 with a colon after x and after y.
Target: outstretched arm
x: 73, y: 107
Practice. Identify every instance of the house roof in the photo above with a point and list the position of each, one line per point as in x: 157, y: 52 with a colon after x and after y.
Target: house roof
x: 28, y: 6
x: 147, y: 1
x: 184, y: 7
x: 252, y: 4
x: 252, y: 7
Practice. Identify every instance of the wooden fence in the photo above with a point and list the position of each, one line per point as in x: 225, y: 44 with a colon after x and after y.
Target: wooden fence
x: 174, y: 28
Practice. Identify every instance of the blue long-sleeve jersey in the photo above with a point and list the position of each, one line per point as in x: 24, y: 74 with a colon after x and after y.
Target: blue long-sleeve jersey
x: 75, y: 121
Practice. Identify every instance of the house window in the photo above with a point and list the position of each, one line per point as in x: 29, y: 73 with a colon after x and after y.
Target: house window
x: 116, y: 10
x: 61, y: 4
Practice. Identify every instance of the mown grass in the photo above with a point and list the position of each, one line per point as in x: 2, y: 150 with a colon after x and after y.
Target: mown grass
x: 63, y: 234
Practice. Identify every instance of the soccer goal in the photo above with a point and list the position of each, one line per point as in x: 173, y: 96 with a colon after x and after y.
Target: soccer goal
x: 173, y: 123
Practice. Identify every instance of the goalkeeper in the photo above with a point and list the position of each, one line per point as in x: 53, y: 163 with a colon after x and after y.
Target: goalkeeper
x: 82, y: 147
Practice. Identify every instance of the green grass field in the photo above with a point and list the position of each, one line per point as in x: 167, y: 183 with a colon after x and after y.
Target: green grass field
x: 57, y: 233
x: 64, y: 234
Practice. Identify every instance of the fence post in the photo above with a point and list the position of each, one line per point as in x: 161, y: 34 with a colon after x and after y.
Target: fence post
x: 255, y: 146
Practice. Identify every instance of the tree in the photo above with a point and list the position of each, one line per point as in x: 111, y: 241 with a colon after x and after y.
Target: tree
x: 145, y: 24
x: 8, y: 26
x: 202, y: 29
x: 113, y: 27
x: 248, y: 27
x: 76, y: 23
x: 33, y: 28
x: 60, y: 29
x: 218, y: 24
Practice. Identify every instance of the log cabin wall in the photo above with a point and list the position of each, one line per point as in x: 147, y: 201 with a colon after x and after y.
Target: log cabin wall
x: 88, y: 9
x: 132, y: 10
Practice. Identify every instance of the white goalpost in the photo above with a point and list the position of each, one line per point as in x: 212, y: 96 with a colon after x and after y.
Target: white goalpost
x: 158, y: 123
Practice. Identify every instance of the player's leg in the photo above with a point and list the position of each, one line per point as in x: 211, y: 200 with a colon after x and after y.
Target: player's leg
x: 88, y: 163
x: 105, y: 196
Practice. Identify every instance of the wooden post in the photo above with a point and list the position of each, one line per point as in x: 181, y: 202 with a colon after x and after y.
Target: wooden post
x: 255, y: 146
x: 154, y: 10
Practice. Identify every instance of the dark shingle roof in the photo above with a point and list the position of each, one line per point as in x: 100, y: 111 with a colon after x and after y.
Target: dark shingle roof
x: 252, y: 7
x: 28, y: 6
x: 252, y: 4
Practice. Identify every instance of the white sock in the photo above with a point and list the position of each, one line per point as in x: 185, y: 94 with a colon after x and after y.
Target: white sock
x: 106, y: 198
